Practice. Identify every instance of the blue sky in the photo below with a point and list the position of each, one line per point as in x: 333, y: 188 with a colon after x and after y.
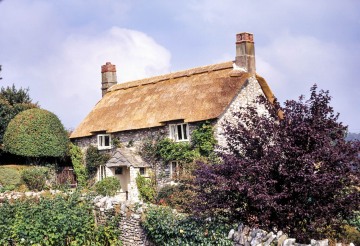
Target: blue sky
x: 56, y: 48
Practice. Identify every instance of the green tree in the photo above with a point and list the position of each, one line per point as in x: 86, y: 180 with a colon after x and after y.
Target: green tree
x: 36, y: 133
x: 12, y: 102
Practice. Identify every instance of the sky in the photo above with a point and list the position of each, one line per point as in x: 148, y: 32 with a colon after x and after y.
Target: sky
x: 56, y: 48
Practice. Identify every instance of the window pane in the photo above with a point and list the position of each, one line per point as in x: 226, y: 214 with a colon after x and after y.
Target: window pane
x: 100, y: 140
x: 180, y: 136
x: 118, y: 170
x: 167, y: 171
x: 173, y: 132
x: 107, y: 140
x: 185, y: 131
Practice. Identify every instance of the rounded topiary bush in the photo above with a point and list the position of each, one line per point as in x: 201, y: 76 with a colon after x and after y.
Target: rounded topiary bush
x: 36, y: 133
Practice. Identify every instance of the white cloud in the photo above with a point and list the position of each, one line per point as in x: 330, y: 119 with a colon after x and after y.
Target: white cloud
x: 57, y: 49
x: 75, y: 75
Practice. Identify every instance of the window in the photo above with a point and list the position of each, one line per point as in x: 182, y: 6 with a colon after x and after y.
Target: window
x: 118, y: 170
x: 102, y: 172
x: 172, y: 169
x: 179, y: 132
x: 104, y: 141
x: 142, y: 170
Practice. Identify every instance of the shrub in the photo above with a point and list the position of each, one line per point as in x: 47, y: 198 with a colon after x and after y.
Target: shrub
x: 60, y: 220
x: 108, y: 186
x: 94, y: 158
x: 146, y: 188
x: 35, y: 178
x: 297, y: 173
x: 36, y: 133
x: 176, y: 196
x: 77, y: 161
x: 165, y: 227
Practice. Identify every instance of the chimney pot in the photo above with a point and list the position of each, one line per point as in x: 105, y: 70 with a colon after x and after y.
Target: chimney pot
x: 108, y: 67
x: 245, y: 52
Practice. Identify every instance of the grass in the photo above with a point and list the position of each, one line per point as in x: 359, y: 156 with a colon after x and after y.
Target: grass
x: 10, y: 175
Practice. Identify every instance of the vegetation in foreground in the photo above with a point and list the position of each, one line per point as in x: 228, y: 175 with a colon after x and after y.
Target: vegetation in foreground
x: 60, y: 220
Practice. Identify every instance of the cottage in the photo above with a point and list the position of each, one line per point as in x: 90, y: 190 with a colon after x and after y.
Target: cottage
x: 173, y: 104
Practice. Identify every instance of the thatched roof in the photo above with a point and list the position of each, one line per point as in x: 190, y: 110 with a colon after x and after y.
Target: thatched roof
x: 192, y: 95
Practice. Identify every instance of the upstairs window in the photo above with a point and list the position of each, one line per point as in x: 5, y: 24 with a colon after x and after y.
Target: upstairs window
x: 104, y: 141
x: 179, y: 132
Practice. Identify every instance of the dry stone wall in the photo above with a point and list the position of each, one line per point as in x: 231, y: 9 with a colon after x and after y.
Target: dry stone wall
x: 132, y: 234
x: 245, y: 236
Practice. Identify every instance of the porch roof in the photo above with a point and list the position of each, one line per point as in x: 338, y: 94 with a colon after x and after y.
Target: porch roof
x: 126, y: 157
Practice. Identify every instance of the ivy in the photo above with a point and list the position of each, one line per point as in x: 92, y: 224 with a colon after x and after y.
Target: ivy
x: 168, y: 150
x: 203, y: 139
x: 94, y: 158
x: 77, y: 161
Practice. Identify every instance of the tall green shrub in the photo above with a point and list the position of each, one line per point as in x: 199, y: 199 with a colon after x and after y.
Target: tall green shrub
x: 36, y: 133
x: 77, y: 161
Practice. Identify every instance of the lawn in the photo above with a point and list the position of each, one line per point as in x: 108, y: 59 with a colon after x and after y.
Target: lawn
x: 10, y: 175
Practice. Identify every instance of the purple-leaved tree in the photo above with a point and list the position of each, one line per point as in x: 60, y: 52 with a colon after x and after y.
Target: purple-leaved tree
x: 295, y: 173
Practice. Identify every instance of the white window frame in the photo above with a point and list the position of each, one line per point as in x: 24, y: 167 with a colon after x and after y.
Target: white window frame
x: 102, y: 172
x: 173, y: 169
x: 101, y: 141
x: 179, y: 132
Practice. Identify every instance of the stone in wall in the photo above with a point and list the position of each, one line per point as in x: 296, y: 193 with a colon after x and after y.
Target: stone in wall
x: 245, y: 236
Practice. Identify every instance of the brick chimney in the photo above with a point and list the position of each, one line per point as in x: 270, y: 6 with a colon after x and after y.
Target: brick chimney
x: 108, y: 77
x: 245, y: 52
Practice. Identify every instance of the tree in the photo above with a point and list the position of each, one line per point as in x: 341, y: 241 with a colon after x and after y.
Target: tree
x: 297, y: 174
x: 36, y: 133
x: 12, y: 102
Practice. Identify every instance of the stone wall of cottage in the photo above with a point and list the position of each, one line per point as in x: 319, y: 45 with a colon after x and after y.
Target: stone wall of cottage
x: 132, y: 137
x: 248, y: 93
